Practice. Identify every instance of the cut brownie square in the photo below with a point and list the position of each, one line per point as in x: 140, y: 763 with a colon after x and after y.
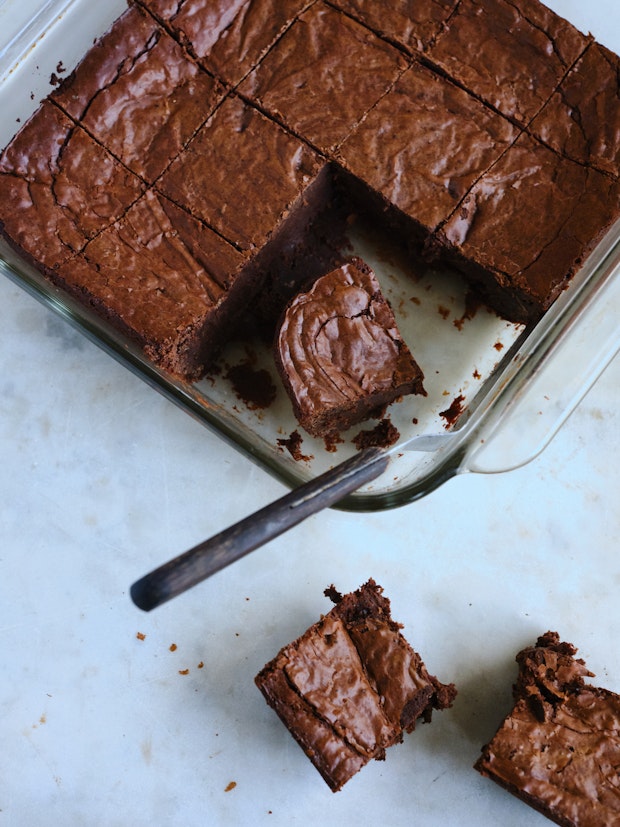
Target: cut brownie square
x: 582, y: 119
x: 351, y: 685
x: 339, y: 352
x: 423, y: 146
x: 323, y: 75
x: 61, y: 188
x: 165, y: 280
x: 139, y: 94
x: 241, y: 174
x: 559, y: 748
x: 412, y: 24
x: 527, y: 225
x: 228, y: 37
x: 510, y: 53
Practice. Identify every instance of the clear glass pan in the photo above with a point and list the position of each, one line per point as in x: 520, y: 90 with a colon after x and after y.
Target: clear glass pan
x: 511, y: 387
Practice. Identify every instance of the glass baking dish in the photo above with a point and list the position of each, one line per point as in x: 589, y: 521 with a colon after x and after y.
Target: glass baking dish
x: 496, y: 391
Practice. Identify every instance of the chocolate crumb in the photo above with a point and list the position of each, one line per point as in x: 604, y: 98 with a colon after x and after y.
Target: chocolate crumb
x: 254, y: 387
x: 140, y: 635
x: 381, y: 436
x: 293, y: 446
x: 183, y: 671
x: 452, y: 413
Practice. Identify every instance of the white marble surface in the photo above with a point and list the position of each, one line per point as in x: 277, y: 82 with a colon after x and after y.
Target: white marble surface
x: 102, y: 479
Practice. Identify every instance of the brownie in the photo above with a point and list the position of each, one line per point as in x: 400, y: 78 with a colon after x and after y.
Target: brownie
x: 257, y: 118
x: 323, y: 75
x: 165, y: 280
x: 392, y: 152
x: 351, y: 685
x: 339, y: 352
x: 138, y: 93
x: 228, y: 38
x: 60, y: 188
x: 412, y: 24
x: 241, y: 174
x: 510, y: 53
x: 582, y: 119
x: 527, y: 225
x: 559, y: 748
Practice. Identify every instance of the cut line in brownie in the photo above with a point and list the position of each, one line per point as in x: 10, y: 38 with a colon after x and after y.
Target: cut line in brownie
x: 412, y: 24
x: 423, y: 146
x: 164, y: 280
x: 241, y: 174
x: 340, y: 354
x: 351, y: 685
x: 311, y: 69
x: 59, y: 188
x: 526, y: 227
x: 139, y: 93
x: 558, y: 749
x: 582, y: 118
x: 417, y: 153
x: 228, y: 37
x: 491, y: 47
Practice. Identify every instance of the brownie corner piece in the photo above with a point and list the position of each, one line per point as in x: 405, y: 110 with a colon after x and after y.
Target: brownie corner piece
x: 351, y: 685
x: 558, y: 749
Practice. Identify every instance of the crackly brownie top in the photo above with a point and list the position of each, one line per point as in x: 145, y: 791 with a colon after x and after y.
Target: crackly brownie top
x: 412, y: 24
x: 559, y: 748
x: 324, y: 73
x: 496, y: 47
x: 494, y: 224
x: 139, y: 93
x: 228, y: 36
x: 338, y: 343
x: 350, y: 684
x: 426, y: 177
x: 62, y: 186
x: 240, y: 174
x: 157, y: 269
x: 582, y: 119
x: 356, y: 669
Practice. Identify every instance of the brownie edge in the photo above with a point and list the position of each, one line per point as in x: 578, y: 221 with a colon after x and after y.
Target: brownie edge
x: 350, y: 686
x: 558, y: 750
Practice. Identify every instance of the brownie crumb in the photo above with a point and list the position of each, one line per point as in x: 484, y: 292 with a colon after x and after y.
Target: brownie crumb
x: 452, y: 413
x: 253, y: 386
x: 293, y: 446
x: 381, y: 436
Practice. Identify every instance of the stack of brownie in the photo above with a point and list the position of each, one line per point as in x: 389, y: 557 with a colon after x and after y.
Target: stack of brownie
x: 186, y: 159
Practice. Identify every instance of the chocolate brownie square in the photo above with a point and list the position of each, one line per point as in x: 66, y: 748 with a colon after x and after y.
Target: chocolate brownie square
x: 424, y: 145
x: 165, y: 280
x: 60, y: 188
x: 412, y: 24
x: 139, y: 94
x: 510, y: 53
x: 241, y: 174
x: 527, y: 225
x: 323, y: 75
x: 339, y: 351
x: 351, y: 685
x: 228, y: 37
x: 582, y: 119
x: 559, y: 748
